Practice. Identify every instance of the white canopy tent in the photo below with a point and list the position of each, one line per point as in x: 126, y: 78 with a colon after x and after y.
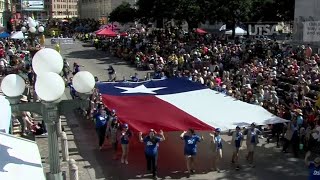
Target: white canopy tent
x: 18, y: 35
x: 19, y: 159
x: 5, y: 114
x: 223, y: 28
x: 238, y: 32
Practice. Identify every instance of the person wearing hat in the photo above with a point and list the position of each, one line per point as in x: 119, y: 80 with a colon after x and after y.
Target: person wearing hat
x: 252, y: 141
x: 125, y: 137
x: 217, y: 143
x: 190, y: 148
x: 236, y: 141
x: 313, y: 166
x: 151, y: 149
x: 112, y: 114
x: 114, y: 129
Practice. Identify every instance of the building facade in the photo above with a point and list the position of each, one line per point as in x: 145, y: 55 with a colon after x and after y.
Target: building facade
x: 57, y: 9
x: 305, y: 11
x: 5, y: 12
x: 64, y: 9
x: 99, y: 9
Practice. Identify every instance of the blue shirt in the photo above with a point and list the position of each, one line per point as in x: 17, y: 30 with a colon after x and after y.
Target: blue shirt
x: 314, y: 172
x: 152, y: 145
x: 299, y: 120
x: 218, y: 141
x: 253, y: 137
x: 125, y: 137
x: 72, y: 90
x: 76, y: 68
x: 101, y: 121
x: 238, y: 139
x: 190, y: 143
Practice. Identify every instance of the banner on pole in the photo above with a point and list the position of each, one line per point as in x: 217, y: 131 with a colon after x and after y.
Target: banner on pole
x: 62, y: 41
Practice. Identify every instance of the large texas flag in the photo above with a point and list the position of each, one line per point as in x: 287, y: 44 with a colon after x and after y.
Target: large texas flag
x: 177, y: 104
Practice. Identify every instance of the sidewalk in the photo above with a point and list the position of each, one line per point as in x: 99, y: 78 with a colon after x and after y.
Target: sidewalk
x: 86, y: 170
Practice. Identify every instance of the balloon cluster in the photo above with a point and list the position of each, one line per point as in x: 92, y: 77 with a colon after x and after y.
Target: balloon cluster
x: 32, y: 25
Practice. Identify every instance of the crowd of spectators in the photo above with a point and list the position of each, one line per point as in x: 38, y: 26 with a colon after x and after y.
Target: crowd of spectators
x: 15, y: 58
x: 282, y: 78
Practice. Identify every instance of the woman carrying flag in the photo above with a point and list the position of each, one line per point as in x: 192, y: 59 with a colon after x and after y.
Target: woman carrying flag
x: 190, y: 148
x: 114, y: 129
x: 125, y: 136
x: 217, y: 142
x: 236, y: 141
x: 151, y: 150
x: 101, y: 121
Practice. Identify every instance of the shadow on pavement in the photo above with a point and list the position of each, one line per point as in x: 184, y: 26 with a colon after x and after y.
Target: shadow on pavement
x: 88, y: 53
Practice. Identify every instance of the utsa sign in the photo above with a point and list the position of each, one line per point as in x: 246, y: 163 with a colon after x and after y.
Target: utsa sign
x: 263, y: 29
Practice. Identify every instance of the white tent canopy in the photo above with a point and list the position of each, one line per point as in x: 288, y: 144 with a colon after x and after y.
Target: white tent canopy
x: 5, y: 114
x: 223, y: 28
x: 19, y: 159
x: 18, y: 35
x: 238, y: 32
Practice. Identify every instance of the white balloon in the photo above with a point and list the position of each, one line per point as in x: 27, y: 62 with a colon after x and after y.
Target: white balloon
x: 32, y: 24
x: 83, y: 82
x: 49, y: 86
x: 32, y: 29
x: 47, y: 60
x: 23, y: 29
x: 30, y: 19
x: 13, y: 85
x: 41, y: 29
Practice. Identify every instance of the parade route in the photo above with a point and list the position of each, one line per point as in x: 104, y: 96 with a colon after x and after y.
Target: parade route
x: 271, y: 163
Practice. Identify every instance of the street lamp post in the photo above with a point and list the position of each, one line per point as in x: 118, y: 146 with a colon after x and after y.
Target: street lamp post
x: 32, y: 27
x: 50, y: 86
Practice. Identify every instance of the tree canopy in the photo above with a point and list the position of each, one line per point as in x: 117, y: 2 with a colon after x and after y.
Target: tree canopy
x: 197, y: 11
x: 124, y: 13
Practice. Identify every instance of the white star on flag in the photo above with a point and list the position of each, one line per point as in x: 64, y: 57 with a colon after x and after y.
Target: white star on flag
x: 139, y: 89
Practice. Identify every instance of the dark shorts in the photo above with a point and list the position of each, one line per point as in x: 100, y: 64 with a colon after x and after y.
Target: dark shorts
x: 189, y: 153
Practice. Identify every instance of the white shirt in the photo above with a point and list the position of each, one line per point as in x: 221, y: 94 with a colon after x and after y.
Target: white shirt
x: 3, y: 62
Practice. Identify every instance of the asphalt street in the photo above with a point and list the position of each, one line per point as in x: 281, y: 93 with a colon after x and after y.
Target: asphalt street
x: 97, y: 62
x: 270, y: 163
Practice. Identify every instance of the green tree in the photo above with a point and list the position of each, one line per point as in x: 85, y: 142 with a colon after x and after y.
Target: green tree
x: 124, y: 13
x: 233, y: 12
x: 191, y: 11
x: 155, y: 10
x: 272, y: 10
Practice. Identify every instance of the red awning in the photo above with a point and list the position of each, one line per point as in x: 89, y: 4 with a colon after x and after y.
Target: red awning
x: 106, y: 32
x: 97, y: 31
x: 123, y: 34
x: 201, y: 31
